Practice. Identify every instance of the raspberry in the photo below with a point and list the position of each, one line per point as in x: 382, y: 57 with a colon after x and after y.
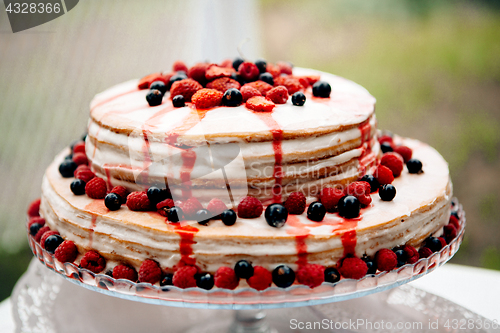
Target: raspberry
x: 66, y: 251
x: 164, y: 206
x: 190, y: 207
x: 207, y: 98
x: 450, y: 232
x: 248, y: 92
x: 47, y: 235
x: 290, y: 83
x: 386, y: 260
x: 303, y: 81
x: 84, y: 174
x: 226, y: 63
x: 138, y: 201
x: 93, y: 262
x: 311, y: 275
x: 36, y: 219
x: 197, y: 73
x: 330, y: 197
x: 273, y: 70
x: 360, y: 190
x: 121, y: 191
x: 424, y: 252
x: 184, y: 277
x: 353, y: 268
x: 259, y: 103
x: 261, y: 86
x: 454, y: 221
x: 285, y: 67
x: 411, y: 254
x: 250, y: 207
x: 80, y: 168
x: 311, y: 79
x: 279, y: 95
x: 79, y: 147
x: 149, y: 271
x: 147, y: 80
x: 216, y: 206
x: 404, y: 151
x: 80, y: 158
x: 223, y: 83
x: 393, y: 161
x: 295, y: 203
x: 96, y: 188
x: 384, y: 175
x: 179, y: 66
x: 385, y: 138
x: 226, y: 278
x: 187, y: 88
x: 40, y: 233
x: 34, y: 207
x: 248, y: 71
x: 214, y: 72
x: 124, y: 272
x: 443, y: 241
x: 261, y: 278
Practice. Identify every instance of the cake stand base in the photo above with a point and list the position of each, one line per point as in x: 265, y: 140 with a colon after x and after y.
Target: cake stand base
x: 244, y: 321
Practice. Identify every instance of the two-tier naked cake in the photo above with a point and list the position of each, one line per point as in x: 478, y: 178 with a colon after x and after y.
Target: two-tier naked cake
x: 242, y: 174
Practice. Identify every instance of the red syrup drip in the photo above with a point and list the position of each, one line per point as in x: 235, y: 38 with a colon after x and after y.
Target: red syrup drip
x: 186, y: 233
x: 301, y: 233
x: 108, y: 178
x: 366, y: 156
x: 188, y: 159
x: 95, y: 207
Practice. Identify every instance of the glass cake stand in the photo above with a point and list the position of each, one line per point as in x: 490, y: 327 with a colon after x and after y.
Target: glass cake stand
x: 249, y: 304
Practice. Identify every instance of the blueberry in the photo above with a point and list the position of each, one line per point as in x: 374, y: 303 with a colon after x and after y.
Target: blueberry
x: 178, y: 101
x: 387, y: 192
x: 238, y: 77
x: 243, y: 269
x: 52, y: 242
x: 181, y: 73
x: 159, y: 85
x: 374, y: 184
x: 237, y: 62
x: 77, y: 187
x: 228, y: 217
x: 154, y: 97
x: 203, y: 216
x: 113, y: 201
x: 316, y: 211
x: 261, y: 65
x: 414, y: 166
x: 175, y: 214
x: 283, y: 276
x: 401, y: 257
x: 155, y: 194
x: 433, y: 244
x: 205, y: 281
x: 267, y: 77
x: 34, y: 228
x: 322, y: 89
x: 177, y: 77
x: 349, y: 207
x: 67, y: 168
x: 167, y: 280
x: 276, y: 215
x: 372, y: 266
x: 386, y: 147
x: 69, y: 157
x: 332, y: 275
x: 232, y: 97
x: 298, y: 98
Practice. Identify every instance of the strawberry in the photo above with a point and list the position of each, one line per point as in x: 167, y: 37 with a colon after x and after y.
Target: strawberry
x: 146, y: 81
x: 226, y: 63
x: 273, y: 70
x: 223, y: 83
x: 290, y: 83
x: 261, y: 86
x: 179, y: 66
x: 248, y: 92
x: 259, y: 103
x: 279, y: 95
x: 285, y: 67
x: 214, y: 72
x: 207, y: 98
x: 187, y: 88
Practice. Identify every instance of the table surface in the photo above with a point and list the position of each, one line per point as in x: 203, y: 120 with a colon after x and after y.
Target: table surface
x: 473, y: 288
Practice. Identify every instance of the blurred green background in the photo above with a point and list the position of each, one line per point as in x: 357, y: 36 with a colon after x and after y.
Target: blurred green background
x: 434, y: 67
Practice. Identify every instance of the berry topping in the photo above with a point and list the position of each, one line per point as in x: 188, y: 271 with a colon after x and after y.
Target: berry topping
x: 443, y: 241
x: 36, y: 219
x: 67, y: 168
x: 84, y: 174
x: 248, y: 92
x: 374, y: 185
x: 372, y: 266
x: 138, y: 201
x: 261, y: 278
x: 434, y: 244
x: 178, y: 101
x: 285, y: 67
x: 179, y: 66
x: 79, y: 147
x: 80, y: 168
x: 261, y: 86
x: 96, y: 188
x: 332, y: 275
x: 316, y: 211
x: 273, y: 70
x: 454, y: 221
x: 156, y: 195
x: 401, y: 255
x: 122, y: 192
x: 450, y: 232
x: 361, y: 190
x: 311, y: 275
x: 330, y: 198
x: 296, y: 203
x: 179, y: 76
x: 228, y: 217
x: 387, y: 192
x: 386, y: 138
x: 261, y: 65
x: 232, y: 97
x: 226, y: 278
x: 249, y: 207
x: 279, y: 95
x: 112, y: 201
x: 414, y: 166
x: 77, y: 187
x: 34, y: 208
x: 283, y: 276
x: 146, y: 81
x: 197, y: 72
x: 175, y: 214
x: 411, y: 254
x: 184, y: 277
x: 207, y: 98
x: 124, y: 272
x: 202, y: 216
x: 424, y: 252
x: 298, y: 98
x: 167, y: 280
x: 40, y: 233
x: 47, y: 235
x: 393, y: 161
x: 80, y: 159
x: 91, y: 261
x: 186, y: 88
x: 154, y: 97
x: 248, y: 71
x: 190, y: 207
x: 386, y: 260
x: 353, y: 268
x: 237, y: 62
x: 386, y: 147
x: 404, y: 151
x: 149, y: 271
x: 322, y: 89
x: 384, y: 175
x: 349, y: 207
x: 267, y: 78
x: 243, y: 269
x: 66, y: 252
x: 205, y: 281
x: 259, y: 103
x: 291, y: 84
x: 34, y: 228
x: 224, y: 83
x: 276, y: 215
x: 214, y: 72
x: 52, y: 242
x: 159, y: 85
x: 216, y: 206
x: 163, y: 207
